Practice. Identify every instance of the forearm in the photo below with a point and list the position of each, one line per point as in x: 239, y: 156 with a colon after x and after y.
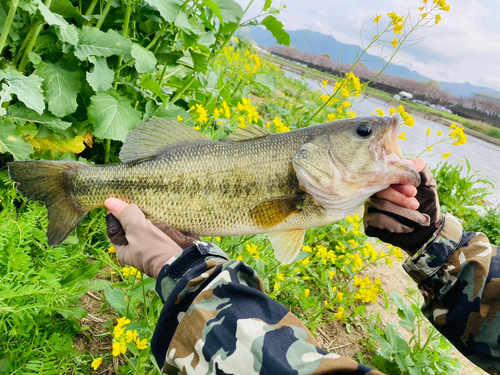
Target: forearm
x: 459, y: 276
x: 217, y: 318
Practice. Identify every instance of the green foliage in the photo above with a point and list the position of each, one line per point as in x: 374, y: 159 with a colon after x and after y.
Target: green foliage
x: 426, y: 352
x: 460, y: 191
x: 488, y: 223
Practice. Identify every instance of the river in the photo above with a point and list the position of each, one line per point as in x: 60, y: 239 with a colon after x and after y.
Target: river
x: 484, y: 157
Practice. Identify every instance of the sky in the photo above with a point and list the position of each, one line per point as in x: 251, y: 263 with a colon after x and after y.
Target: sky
x: 463, y: 47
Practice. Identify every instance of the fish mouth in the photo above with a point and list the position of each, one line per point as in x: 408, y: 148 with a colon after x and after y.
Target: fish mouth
x: 394, y: 157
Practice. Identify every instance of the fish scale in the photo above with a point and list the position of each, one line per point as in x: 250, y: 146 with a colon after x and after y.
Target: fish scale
x: 253, y: 182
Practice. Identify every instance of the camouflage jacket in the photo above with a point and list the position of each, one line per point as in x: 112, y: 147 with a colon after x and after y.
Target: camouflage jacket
x: 216, y: 318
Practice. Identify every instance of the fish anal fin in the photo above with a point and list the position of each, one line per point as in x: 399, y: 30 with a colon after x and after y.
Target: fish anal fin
x: 151, y: 137
x: 287, y: 244
x: 272, y: 212
x: 248, y: 132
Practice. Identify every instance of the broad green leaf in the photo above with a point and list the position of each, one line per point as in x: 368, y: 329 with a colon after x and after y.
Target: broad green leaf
x: 144, y: 60
x: 112, y: 116
x: 276, y: 28
x: 101, y: 77
x: 81, y: 274
x: 231, y: 11
x: 12, y: 143
x: 167, y: 8
x: 27, y: 88
x: 265, y: 80
x: 61, y: 87
x: 215, y: 8
x: 34, y: 58
x: 21, y: 113
x: 66, y: 9
x: 116, y: 299
x: 207, y: 39
x: 171, y: 112
x: 150, y: 84
x: 76, y: 312
x: 66, y: 32
x: 267, y: 5
x: 52, y: 143
x: 200, y: 61
x: 94, y: 42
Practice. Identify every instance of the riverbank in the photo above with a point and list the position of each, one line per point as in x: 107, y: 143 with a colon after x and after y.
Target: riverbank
x: 481, y: 130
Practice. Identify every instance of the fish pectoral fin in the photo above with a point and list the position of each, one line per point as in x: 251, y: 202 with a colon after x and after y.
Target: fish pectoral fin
x: 248, y: 132
x: 287, y: 244
x: 151, y: 137
x: 272, y: 212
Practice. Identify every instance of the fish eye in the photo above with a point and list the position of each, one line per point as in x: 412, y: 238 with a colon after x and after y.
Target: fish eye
x: 364, y: 130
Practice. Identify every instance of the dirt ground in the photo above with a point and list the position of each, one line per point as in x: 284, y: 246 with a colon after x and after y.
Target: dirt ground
x: 334, y: 337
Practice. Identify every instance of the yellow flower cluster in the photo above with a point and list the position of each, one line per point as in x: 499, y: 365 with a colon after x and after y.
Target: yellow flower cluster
x: 407, y: 119
x: 247, y: 108
x: 397, y: 22
x: 442, y: 5
x: 368, y: 291
x: 280, y: 127
x: 256, y: 62
x: 458, y: 134
x: 122, y: 337
x: 96, y: 363
x: 131, y: 271
x: 202, y: 113
x: 253, y: 250
x: 340, y: 313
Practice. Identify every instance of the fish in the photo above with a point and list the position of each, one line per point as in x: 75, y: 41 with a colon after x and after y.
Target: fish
x: 251, y: 182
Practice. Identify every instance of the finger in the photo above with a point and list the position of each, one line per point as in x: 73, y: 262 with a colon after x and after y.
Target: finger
x: 408, y: 190
x: 115, y: 206
x: 418, y: 164
x: 394, y: 196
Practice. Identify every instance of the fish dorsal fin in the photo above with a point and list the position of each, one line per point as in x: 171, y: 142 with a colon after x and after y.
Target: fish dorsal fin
x: 151, y: 137
x: 248, y: 132
x: 272, y: 212
x: 287, y: 244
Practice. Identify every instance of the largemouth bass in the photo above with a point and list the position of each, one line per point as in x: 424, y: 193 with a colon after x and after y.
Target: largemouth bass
x: 252, y: 182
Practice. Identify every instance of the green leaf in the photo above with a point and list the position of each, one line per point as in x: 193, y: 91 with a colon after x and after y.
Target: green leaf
x: 230, y: 10
x: 81, y: 274
x: 116, y: 299
x: 200, y: 61
x: 34, y: 58
x: 167, y: 8
x: 265, y: 80
x: 267, y: 5
x: 66, y: 32
x: 101, y: 77
x: 144, y: 60
x: 12, y: 143
x: 94, y: 42
x: 112, y: 116
x: 76, y: 312
x: 150, y: 84
x: 276, y: 28
x: 21, y: 113
x: 27, y: 88
x: 171, y: 112
x: 189, y: 26
x: 61, y: 87
x: 214, y: 7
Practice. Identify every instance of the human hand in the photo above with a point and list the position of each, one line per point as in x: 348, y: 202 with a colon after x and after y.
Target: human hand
x: 140, y: 243
x: 403, y: 215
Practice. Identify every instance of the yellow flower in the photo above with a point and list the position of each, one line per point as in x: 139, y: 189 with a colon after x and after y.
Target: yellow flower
x: 334, y: 289
x: 346, y: 104
x: 131, y: 271
x: 340, y: 296
x: 281, y: 277
x: 394, y: 42
x: 179, y: 118
x: 446, y: 155
x: 276, y: 287
x: 96, y: 363
x: 217, y: 113
x: 239, y: 257
x: 280, y: 127
x: 131, y: 336
x: 307, y: 248
x: 331, y: 274
x: 438, y: 18
x: 429, y: 148
x: 402, y: 136
x: 439, y: 133
x: 325, y: 82
x: 306, y: 292
x: 424, y: 15
x: 253, y: 250
x: 196, y: 127
x: 111, y: 250
x: 225, y: 107
x: 203, y: 116
x: 141, y: 344
x: 340, y: 110
x: 331, y: 116
x: 380, y: 112
x: 123, y: 321
x: 339, y: 314
x: 377, y: 18
x: 428, y: 132
x: 325, y: 98
x: 118, y: 331
x: 236, y: 39
x: 218, y: 239
x: 392, y: 111
x: 116, y: 349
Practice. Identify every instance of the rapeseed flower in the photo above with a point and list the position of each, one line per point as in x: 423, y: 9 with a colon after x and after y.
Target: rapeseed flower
x: 380, y: 112
x: 96, y: 363
x: 377, y: 18
x: 446, y: 155
x: 340, y: 313
x: 394, y: 42
x: 111, y: 250
x: 179, y: 118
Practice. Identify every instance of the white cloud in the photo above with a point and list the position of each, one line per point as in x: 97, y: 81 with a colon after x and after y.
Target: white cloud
x: 464, y: 47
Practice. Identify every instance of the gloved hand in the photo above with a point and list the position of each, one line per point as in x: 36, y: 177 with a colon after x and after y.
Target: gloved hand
x: 400, y: 224
x: 140, y: 243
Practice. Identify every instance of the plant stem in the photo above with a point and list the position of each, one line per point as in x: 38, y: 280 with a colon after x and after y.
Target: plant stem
x: 104, y: 14
x: 144, y: 297
x: 91, y: 7
x: 20, y: 52
x: 8, y: 23
x: 107, y: 148
x: 184, y: 88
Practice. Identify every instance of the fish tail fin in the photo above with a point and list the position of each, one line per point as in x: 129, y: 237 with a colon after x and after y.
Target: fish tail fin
x: 48, y: 182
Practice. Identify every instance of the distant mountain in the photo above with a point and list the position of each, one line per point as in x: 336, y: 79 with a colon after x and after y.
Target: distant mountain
x: 317, y: 43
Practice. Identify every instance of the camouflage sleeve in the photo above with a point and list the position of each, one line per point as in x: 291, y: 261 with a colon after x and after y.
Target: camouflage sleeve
x: 217, y: 320
x: 459, y: 276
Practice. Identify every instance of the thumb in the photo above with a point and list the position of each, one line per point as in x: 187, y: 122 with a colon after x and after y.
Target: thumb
x: 115, y: 206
